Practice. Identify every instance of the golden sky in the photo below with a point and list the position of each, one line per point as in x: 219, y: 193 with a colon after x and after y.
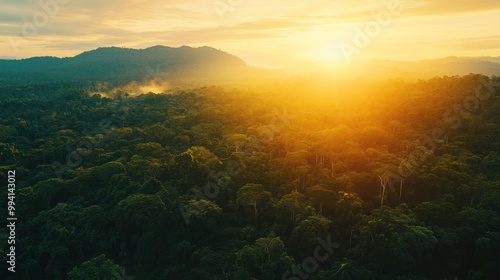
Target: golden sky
x: 265, y: 33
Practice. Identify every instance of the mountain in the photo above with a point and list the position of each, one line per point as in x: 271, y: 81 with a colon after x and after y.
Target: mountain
x: 187, y: 66
x: 125, y: 65
x: 422, y: 69
x: 443, y: 66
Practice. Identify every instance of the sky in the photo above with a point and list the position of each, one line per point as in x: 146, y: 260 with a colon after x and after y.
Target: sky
x: 263, y: 33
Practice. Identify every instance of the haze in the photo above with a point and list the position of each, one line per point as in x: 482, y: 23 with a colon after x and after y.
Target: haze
x: 263, y: 33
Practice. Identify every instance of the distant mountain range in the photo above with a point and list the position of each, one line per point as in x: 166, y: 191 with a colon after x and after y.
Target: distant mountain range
x: 422, y: 69
x: 489, y: 66
x: 205, y: 65
x: 125, y: 65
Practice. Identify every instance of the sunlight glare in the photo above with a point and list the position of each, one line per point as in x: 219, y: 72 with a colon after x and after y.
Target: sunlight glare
x: 331, y: 53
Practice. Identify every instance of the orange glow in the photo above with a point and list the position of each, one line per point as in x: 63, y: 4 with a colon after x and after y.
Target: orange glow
x: 272, y: 35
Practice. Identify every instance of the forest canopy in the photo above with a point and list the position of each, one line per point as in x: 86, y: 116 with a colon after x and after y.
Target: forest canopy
x: 301, y: 179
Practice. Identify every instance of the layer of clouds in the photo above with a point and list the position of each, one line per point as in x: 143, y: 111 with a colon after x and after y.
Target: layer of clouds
x: 477, y: 43
x: 81, y: 25
x: 450, y: 7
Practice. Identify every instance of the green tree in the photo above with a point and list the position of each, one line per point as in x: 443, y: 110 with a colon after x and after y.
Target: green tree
x: 293, y: 203
x: 391, y: 240
x: 139, y: 209
x: 305, y: 235
x: 322, y: 195
x: 348, y: 270
x: 264, y: 259
x: 99, y: 268
x: 253, y: 195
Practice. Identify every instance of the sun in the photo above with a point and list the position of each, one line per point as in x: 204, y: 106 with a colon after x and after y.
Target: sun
x: 331, y: 53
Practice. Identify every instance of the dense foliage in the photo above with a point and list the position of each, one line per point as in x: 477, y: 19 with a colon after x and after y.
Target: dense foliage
x: 220, y: 183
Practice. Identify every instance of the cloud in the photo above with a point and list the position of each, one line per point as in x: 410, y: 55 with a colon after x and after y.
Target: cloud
x: 477, y: 43
x: 82, y: 25
x: 450, y: 7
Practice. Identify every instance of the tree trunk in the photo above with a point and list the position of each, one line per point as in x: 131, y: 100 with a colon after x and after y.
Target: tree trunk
x: 400, y: 188
x: 350, y: 238
x: 382, y: 198
x: 255, y: 212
